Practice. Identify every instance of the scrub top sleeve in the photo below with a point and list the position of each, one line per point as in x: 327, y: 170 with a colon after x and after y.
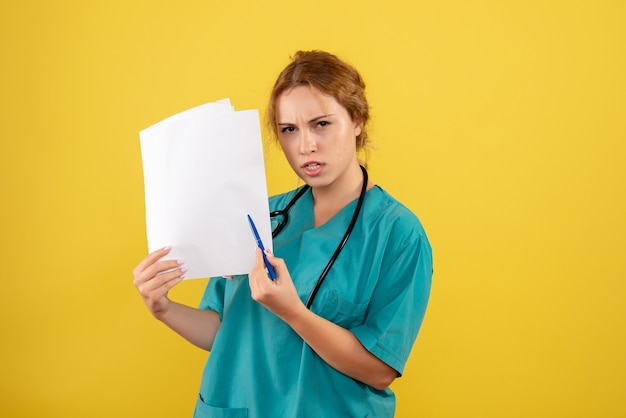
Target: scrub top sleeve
x: 398, y: 304
x: 213, y: 298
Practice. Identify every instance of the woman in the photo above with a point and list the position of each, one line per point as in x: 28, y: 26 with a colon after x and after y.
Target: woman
x: 353, y: 266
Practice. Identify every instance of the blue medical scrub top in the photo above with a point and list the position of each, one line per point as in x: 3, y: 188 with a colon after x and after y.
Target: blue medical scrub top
x: 378, y: 289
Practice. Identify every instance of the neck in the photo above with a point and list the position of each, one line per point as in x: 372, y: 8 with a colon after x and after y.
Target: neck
x: 329, y: 200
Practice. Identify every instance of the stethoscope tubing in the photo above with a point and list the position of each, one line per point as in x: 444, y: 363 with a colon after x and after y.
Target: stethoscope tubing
x: 343, y: 242
x: 284, y: 213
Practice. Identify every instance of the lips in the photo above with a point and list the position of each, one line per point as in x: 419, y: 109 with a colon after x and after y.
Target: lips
x: 312, y: 168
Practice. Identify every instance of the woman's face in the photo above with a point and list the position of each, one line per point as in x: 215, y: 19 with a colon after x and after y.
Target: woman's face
x: 318, y: 137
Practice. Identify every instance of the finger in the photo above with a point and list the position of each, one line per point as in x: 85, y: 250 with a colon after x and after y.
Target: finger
x: 162, y: 282
x: 258, y: 268
x: 151, y: 259
x: 168, y: 280
x: 163, y: 266
x: 266, y: 265
x: 170, y: 284
x: 277, y: 263
x: 256, y: 272
x: 157, y: 269
x: 258, y: 258
x: 259, y: 263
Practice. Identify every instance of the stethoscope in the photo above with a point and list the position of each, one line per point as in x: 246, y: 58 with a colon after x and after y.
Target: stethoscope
x: 284, y: 213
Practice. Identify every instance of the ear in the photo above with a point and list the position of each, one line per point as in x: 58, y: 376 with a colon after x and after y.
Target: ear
x: 358, y: 127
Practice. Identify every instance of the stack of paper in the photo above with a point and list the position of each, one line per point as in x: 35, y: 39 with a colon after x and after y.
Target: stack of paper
x: 203, y: 173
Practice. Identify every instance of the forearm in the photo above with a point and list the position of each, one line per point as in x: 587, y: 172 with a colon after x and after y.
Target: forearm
x: 195, y: 325
x: 341, y: 349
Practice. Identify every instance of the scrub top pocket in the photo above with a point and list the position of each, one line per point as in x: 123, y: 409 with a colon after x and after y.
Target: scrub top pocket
x: 341, y: 311
x: 204, y: 410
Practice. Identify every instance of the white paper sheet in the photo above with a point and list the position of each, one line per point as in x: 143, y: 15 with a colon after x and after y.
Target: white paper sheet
x: 203, y: 173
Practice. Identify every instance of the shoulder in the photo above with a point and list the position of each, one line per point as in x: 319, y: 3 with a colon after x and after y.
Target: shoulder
x: 279, y: 201
x: 385, y: 213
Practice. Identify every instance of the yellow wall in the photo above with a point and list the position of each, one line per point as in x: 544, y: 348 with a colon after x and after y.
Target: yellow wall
x: 501, y: 124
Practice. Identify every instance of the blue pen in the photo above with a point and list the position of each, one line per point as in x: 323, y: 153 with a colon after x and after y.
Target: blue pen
x: 270, y: 269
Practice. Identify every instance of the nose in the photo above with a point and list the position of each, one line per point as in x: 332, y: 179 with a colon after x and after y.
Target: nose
x: 307, y: 143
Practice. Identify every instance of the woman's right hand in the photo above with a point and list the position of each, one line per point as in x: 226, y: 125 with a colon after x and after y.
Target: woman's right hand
x: 153, y: 279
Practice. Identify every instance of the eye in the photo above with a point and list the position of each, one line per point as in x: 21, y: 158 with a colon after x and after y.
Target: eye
x: 287, y: 129
x: 323, y: 123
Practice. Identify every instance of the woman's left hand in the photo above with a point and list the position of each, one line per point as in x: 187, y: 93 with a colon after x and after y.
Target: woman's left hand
x: 279, y: 295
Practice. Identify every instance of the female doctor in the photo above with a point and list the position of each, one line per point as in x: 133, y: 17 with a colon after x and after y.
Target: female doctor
x: 353, y: 267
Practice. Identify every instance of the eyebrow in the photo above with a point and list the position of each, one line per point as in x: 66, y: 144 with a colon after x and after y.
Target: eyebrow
x: 315, y: 119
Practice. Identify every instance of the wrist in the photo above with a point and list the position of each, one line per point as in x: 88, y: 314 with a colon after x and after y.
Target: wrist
x: 295, y: 316
x: 161, y: 311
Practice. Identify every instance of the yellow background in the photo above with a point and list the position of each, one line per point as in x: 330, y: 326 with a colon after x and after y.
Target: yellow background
x: 501, y: 124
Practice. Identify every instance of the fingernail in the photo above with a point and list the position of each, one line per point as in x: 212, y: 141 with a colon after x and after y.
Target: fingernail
x: 167, y: 248
x: 180, y: 262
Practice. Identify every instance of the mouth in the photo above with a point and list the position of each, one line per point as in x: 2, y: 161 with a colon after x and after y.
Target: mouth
x: 312, y: 168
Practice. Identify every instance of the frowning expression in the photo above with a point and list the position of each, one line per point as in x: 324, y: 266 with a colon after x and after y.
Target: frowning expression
x: 317, y: 135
